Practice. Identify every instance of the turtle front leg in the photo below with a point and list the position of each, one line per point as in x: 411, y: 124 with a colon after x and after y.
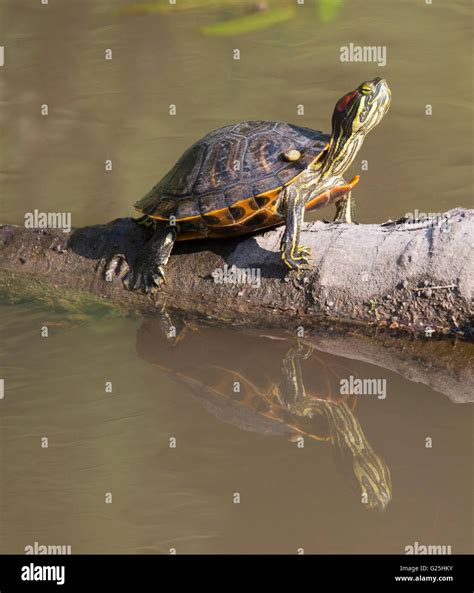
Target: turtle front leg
x: 148, y: 271
x: 345, y: 210
x: 294, y: 255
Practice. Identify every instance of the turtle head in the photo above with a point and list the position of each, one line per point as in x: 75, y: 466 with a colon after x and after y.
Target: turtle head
x: 355, y: 114
x: 374, y: 478
x: 361, y: 110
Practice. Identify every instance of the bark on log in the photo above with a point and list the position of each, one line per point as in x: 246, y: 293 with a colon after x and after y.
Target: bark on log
x: 412, y: 277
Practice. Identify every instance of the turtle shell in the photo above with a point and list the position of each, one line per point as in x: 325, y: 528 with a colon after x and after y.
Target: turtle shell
x: 231, y: 164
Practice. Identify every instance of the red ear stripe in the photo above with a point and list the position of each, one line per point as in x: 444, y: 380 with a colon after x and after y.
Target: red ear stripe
x: 343, y: 103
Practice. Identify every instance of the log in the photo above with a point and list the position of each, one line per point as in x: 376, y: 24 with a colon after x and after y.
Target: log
x: 411, y: 277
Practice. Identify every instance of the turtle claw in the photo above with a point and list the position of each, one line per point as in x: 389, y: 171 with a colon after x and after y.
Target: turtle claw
x: 146, y: 282
x: 298, y: 263
x: 304, y: 264
x: 160, y: 278
x: 305, y: 252
x: 116, y: 268
x: 134, y: 279
x: 301, y: 261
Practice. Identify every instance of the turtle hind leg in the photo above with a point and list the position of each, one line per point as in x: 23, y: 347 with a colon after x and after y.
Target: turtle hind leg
x: 148, y: 271
x: 345, y: 210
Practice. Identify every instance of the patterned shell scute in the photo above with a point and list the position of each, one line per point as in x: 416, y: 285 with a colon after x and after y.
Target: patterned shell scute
x: 231, y: 164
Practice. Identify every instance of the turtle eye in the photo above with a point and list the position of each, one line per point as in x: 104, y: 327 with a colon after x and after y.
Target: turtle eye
x: 365, y: 89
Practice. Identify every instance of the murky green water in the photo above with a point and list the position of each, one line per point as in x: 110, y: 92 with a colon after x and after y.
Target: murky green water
x: 227, y: 442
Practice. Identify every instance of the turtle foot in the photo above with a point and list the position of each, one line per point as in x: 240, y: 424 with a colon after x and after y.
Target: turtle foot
x: 145, y: 280
x: 300, y: 261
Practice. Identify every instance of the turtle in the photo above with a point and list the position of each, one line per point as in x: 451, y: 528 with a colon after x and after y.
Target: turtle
x: 289, y: 393
x: 254, y: 175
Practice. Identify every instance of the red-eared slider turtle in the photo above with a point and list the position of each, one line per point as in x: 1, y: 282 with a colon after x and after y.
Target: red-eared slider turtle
x: 254, y: 175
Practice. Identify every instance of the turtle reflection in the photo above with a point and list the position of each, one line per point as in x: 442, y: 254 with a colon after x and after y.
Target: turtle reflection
x: 293, y: 391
